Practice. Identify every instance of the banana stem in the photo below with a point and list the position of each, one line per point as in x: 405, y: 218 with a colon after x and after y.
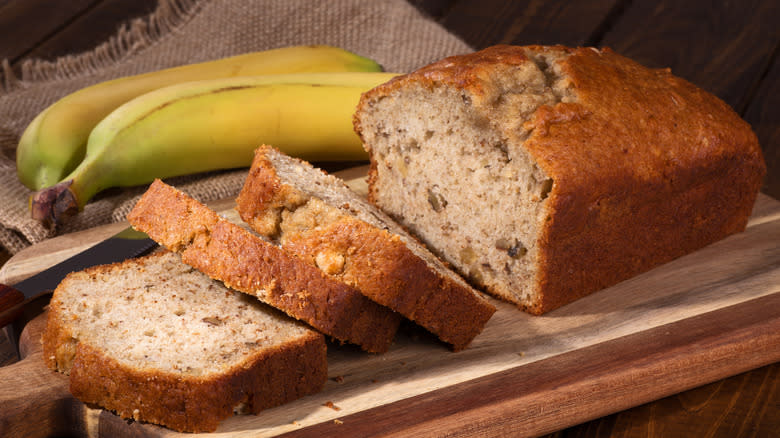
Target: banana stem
x: 53, y: 205
x: 56, y: 204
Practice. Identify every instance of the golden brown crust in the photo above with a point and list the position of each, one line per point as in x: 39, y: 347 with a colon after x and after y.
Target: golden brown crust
x: 376, y: 261
x: 471, y: 71
x: 187, y: 403
x: 245, y: 262
x: 668, y: 158
x: 198, y: 404
x: 646, y: 166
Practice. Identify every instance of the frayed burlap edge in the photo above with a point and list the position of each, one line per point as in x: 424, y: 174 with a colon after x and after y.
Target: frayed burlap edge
x: 131, y: 37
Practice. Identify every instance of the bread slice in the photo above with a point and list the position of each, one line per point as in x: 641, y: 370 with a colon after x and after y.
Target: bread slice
x: 319, y: 219
x: 157, y: 341
x: 244, y: 261
x: 546, y: 173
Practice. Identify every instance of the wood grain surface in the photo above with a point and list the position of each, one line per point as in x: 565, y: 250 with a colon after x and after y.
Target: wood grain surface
x: 727, y: 47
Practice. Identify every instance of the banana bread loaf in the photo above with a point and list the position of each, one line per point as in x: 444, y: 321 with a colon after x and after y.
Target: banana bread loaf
x: 546, y: 173
x: 319, y: 219
x: 244, y: 261
x: 154, y: 340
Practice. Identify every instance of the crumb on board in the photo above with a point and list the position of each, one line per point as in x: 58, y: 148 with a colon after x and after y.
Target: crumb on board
x: 337, y: 421
x: 338, y: 379
x: 329, y: 404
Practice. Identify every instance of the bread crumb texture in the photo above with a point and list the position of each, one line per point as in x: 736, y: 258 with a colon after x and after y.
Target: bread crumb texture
x: 155, y: 340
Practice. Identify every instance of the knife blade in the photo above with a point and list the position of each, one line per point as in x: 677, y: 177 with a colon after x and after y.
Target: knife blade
x: 24, y: 300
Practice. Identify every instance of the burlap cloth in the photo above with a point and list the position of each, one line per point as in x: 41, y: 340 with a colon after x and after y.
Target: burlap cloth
x: 392, y: 32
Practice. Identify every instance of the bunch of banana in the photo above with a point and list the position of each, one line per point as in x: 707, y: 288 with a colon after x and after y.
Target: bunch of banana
x: 213, y: 124
x: 54, y: 142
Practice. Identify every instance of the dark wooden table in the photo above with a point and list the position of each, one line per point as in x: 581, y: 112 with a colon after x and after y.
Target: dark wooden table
x: 727, y: 47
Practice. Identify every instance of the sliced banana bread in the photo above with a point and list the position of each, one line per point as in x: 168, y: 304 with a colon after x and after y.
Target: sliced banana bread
x: 315, y: 216
x: 246, y: 262
x: 157, y: 341
x: 546, y: 173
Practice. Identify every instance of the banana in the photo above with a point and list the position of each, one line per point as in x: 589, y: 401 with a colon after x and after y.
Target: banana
x: 54, y: 142
x: 213, y: 124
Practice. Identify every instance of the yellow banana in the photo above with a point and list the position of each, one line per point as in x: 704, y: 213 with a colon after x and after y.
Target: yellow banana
x: 215, y: 124
x: 53, y: 144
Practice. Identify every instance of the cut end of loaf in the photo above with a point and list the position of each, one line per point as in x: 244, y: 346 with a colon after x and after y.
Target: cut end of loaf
x: 548, y: 173
x: 167, y: 316
x: 154, y: 340
x: 447, y: 162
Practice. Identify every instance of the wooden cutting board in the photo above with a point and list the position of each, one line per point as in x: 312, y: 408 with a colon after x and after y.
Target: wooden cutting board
x: 700, y: 318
